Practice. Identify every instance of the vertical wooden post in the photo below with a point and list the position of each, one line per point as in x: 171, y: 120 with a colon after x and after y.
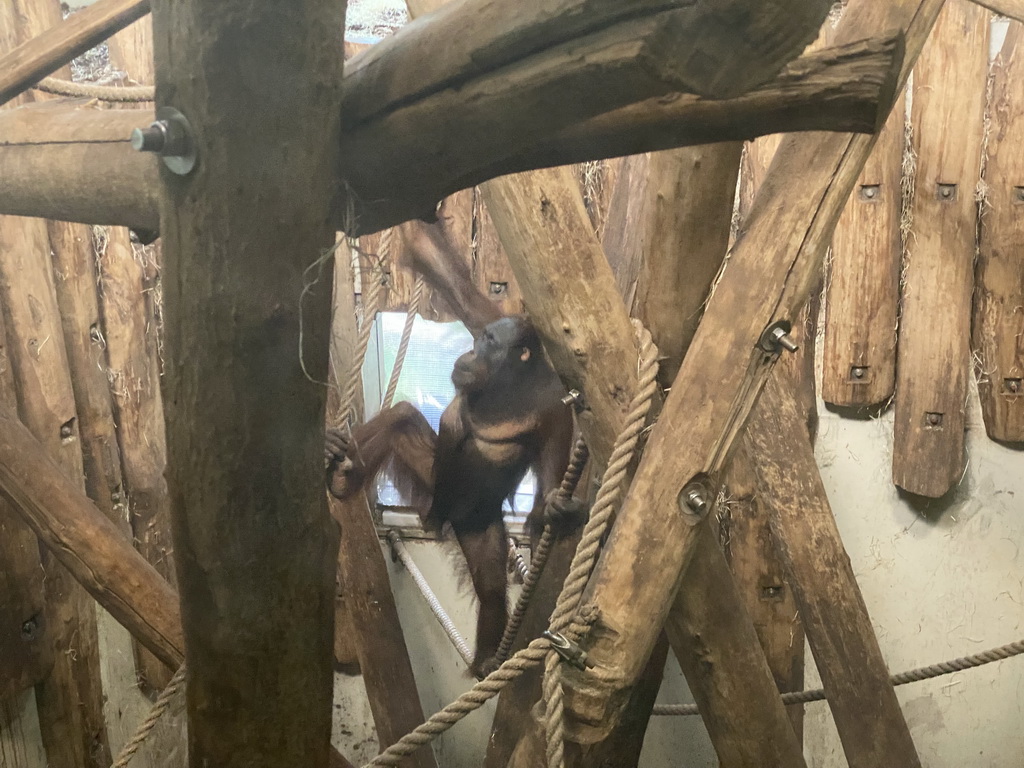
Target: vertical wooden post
x: 867, y: 715
x: 128, y: 276
x: 859, y: 356
x: 26, y: 653
x: 999, y: 294
x: 934, y: 345
x: 70, y: 699
x: 247, y: 341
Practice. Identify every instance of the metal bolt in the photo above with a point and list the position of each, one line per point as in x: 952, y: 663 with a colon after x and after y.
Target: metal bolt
x: 933, y: 419
x: 575, y: 397
x: 777, y: 335
x: 1013, y: 386
x: 869, y: 191
x: 695, y: 499
x: 858, y: 371
x: 169, y: 136
x: 499, y: 289
x: 772, y: 592
x: 947, y: 191
x: 1019, y: 194
x: 153, y: 138
x: 67, y: 429
x: 29, y: 630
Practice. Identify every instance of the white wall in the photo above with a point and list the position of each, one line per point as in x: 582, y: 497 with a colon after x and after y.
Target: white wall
x: 941, y: 581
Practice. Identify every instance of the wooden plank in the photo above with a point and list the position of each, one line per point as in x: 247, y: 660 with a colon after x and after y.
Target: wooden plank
x: 623, y: 238
x: 859, y: 357
x: 255, y: 548
x: 867, y: 714
x: 54, y: 47
x: 999, y: 293
x: 934, y: 347
x: 718, y: 383
x: 129, y: 279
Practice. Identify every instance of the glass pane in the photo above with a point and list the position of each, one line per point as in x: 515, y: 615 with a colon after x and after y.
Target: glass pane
x: 425, y: 380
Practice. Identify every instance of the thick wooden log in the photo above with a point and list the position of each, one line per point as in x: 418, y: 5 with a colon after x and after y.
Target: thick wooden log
x: 515, y: 64
x: 1012, y: 8
x: 541, y: 215
x: 53, y: 47
x: 128, y: 278
x: 70, y: 700
x: 25, y: 651
x: 999, y: 291
x: 856, y: 679
x: 718, y: 383
x: 380, y: 643
x: 52, y: 166
x: 935, y: 324
x: 723, y: 672
x: 246, y: 347
x: 859, y: 358
x: 88, y: 544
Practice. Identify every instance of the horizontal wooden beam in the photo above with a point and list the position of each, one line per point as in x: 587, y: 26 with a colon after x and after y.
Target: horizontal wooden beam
x: 68, y: 161
x: 34, y: 59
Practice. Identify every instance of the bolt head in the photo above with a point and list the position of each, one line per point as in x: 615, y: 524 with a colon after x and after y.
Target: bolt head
x: 152, y: 138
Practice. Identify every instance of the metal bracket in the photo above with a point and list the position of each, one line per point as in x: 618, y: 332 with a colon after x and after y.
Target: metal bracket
x: 568, y: 650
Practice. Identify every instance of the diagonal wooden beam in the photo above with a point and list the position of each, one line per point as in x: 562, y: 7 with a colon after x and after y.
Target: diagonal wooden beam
x: 34, y: 59
x: 91, y: 547
x: 634, y: 583
x: 1014, y: 9
x: 867, y: 714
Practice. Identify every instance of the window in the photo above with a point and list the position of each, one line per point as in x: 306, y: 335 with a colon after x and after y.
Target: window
x: 425, y: 381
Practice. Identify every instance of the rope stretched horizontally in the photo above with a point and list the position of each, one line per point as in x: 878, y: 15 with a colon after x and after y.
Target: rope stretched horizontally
x: 134, y: 94
x: 601, y: 515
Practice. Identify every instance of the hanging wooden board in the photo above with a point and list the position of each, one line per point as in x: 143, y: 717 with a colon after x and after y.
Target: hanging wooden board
x: 933, y: 358
x: 999, y: 292
x: 859, y: 359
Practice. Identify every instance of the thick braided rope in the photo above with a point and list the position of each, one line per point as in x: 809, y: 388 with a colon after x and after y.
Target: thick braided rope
x: 160, y: 706
x: 911, y: 676
x: 476, y: 697
x: 398, y: 546
x: 403, y: 345
x: 371, y: 305
x: 132, y: 93
x: 608, y: 497
x: 539, y: 557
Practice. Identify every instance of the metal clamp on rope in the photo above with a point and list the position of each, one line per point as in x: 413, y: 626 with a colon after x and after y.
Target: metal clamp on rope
x: 567, y: 649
